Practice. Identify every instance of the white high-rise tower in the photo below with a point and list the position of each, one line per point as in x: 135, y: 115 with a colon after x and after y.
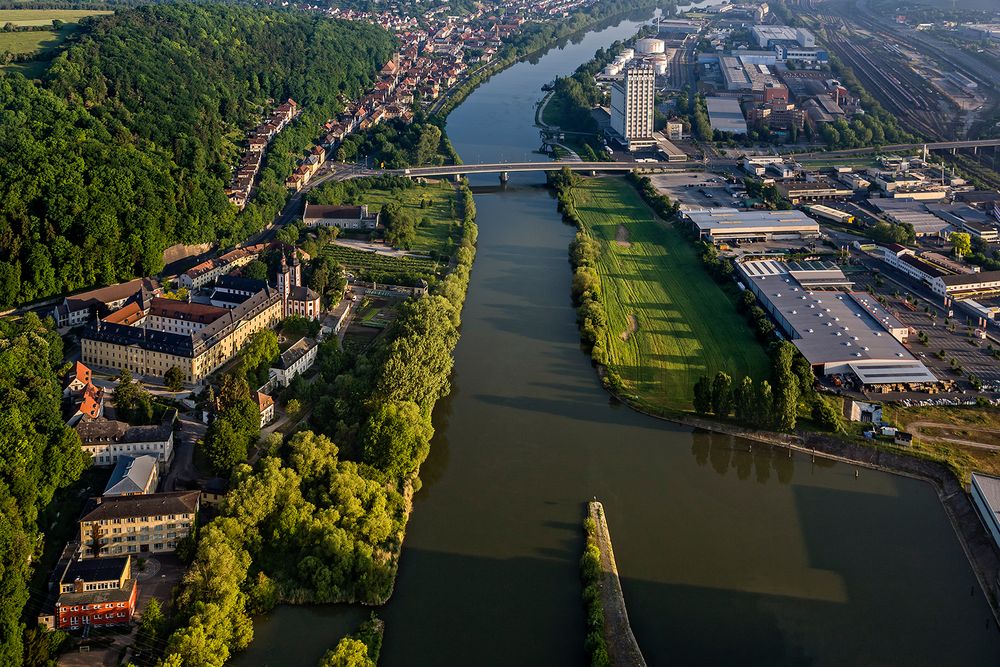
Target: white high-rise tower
x: 632, y: 101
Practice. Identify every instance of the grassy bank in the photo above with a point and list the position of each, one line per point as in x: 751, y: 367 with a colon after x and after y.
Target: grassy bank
x: 669, y: 323
x: 937, y: 429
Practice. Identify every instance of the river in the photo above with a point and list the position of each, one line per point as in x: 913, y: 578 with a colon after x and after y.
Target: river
x: 728, y: 555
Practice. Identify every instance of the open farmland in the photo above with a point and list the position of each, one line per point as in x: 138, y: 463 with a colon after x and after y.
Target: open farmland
x: 39, y: 44
x: 39, y: 17
x: 668, y: 322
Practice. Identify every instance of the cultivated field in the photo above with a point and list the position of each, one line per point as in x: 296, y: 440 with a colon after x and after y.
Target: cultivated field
x: 669, y: 322
x: 363, y: 260
x: 36, y: 17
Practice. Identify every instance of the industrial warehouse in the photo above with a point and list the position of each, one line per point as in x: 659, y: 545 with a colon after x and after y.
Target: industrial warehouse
x: 840, y: 332
x: 730, y: 224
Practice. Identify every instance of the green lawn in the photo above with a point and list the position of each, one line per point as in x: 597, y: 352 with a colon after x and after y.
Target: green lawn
x: 442, y: 211
x: 35, y: 17
x: 669, y: 322
x: 29, y: 42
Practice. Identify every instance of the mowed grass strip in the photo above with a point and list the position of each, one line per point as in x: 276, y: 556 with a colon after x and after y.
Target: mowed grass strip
x: 668, y: 322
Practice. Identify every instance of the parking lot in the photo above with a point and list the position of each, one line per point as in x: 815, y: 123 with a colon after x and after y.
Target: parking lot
x: 696, y: 189
x: 945, y: 342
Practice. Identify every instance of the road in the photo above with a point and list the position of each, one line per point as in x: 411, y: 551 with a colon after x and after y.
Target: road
x: 917, y: 429
x: 892, y: 148
x: 182, y: 469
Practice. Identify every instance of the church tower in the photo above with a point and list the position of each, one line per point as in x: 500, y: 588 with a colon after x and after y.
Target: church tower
x: 296, y: 277
x: 284, y: 279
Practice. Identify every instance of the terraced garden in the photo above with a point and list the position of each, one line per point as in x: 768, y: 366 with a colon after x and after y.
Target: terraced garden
x: 668, y: 322
x: 376, y: 264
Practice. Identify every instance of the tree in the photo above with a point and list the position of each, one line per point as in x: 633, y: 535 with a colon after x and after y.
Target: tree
x: 255, y: 270
x: 293, y: 408
x: 350, y: 652
x: 703, y: 396
x: 763, y: 405
x: 225, y: 446
x: 397, y: 438
x: 827, y: 414
x: 174, y: 378
x: 722, y: 394
x: 961, y: 243
x: 786, y: 396
x: 258, y: 354
x: 126, y: 392
x: 743, y: 400
x: 152, y: 627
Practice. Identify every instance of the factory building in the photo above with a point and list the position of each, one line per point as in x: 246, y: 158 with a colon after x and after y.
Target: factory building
x: 985, y: 492
x: 725, y: 115
x: 838, y: 331
x: 729, y: 224
x: 770, y: 36
x: 632, y: 100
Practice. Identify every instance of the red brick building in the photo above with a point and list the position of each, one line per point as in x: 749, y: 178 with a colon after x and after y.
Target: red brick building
x: 96, y: 591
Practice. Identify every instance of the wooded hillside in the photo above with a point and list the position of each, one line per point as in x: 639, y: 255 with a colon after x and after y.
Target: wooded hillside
x: 127, y: 144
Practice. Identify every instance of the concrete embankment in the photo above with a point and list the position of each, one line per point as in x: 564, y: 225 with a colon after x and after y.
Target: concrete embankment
x: 622, y: 646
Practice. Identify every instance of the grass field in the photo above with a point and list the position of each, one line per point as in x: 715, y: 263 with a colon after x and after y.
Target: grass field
x: 36, y: 17
x: 40, y: 42
x: 976, y: 424
x: 442, y: 212
x: 29, y: 42
x: 669, y: 322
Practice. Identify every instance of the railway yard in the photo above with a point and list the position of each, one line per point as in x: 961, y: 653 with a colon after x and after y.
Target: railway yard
x: 937, y: 91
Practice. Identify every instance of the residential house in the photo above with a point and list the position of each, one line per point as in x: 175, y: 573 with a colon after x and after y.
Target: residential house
x: 265, y: 405
x: 93, y: 593
x: 105, y: 440
x: 133, y: 475
x: 296, y: 360
x: 148, y: 523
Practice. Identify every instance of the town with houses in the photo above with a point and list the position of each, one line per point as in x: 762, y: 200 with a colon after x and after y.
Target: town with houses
x: 869, y: 264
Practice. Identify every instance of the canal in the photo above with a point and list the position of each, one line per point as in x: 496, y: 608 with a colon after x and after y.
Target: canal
x: 728, y: 555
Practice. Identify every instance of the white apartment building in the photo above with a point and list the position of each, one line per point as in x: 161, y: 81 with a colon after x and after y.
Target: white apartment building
x: 632, y: 100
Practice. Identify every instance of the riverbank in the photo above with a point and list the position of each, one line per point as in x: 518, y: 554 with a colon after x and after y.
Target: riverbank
x: 575, y: 24
x: 622, y: 648
x: 604, y: 305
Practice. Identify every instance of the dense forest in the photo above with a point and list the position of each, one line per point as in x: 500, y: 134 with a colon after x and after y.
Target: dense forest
x: 39, y: 454
x: 126, y: 146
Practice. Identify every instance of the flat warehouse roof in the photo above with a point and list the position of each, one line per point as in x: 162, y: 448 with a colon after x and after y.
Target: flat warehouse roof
x: 725, y: 115
x: 721, y: 220
x: 909, y: 372
x: 831, y: 327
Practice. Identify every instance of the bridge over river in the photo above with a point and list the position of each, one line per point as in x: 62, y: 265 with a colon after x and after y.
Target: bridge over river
x: 505, y: 168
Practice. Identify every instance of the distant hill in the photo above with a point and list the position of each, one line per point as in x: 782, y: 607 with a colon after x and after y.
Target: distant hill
x: 125, y: 147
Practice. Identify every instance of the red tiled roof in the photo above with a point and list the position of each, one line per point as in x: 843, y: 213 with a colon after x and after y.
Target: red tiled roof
x: 127, y: 315
x: 181, y: 310
x: 81, y: 373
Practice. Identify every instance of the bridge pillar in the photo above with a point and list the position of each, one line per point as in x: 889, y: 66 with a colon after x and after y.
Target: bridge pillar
x: 457, y: 178
x: 975, y: 150
x: 593, y: 172
x: 954, y: 151
x: 504, y: 177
